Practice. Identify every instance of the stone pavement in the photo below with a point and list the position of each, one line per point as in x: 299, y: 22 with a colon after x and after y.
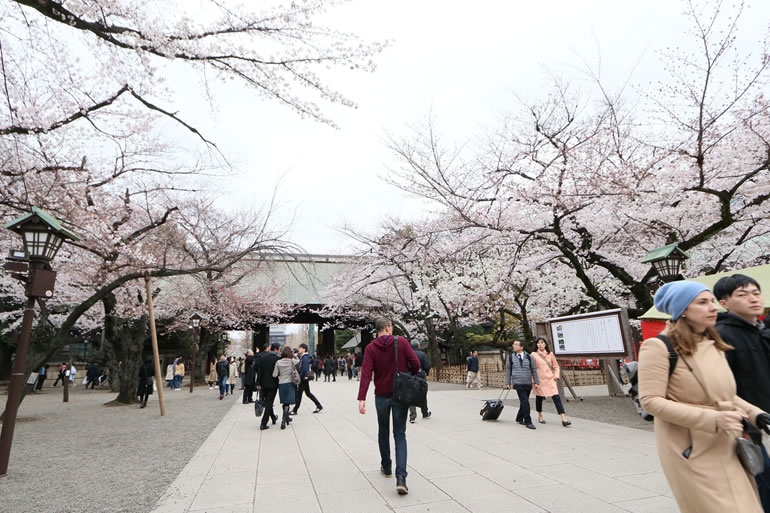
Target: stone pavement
x: 329, y: 462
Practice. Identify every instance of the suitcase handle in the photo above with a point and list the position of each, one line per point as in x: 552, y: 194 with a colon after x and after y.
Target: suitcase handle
x: 506, y: 390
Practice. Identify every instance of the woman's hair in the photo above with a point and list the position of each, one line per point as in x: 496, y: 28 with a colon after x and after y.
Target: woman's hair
x: 287, y: 352
x: 538, y: 339
x: 685, y: 339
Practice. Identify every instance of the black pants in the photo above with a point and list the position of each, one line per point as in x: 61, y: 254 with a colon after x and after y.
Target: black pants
x: 304, y: 386
x: 39, y: 384
x: 268, y: 396
x: 91, y: 382
x: 59, y: 377
x: 523, y: 414
x: 248, y: 394
x: 556, y: 401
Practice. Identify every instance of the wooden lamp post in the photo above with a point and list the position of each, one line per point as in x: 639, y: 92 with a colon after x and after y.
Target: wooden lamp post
x: 42, y: 235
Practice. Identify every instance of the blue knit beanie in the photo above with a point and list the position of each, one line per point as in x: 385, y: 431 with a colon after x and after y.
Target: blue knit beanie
x: 674, y: 298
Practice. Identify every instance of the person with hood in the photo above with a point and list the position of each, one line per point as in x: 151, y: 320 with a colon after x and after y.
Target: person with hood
x: 380, y: 360
x: 698, y: 414
x: 749, y: 359
x: 424, y: 371
x: 249, y: 377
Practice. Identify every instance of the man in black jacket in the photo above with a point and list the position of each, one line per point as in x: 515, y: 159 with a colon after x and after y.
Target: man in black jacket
x: 268, y: 383
x: 249, y: 378
x: 740, y: 327
x: 424, y: 371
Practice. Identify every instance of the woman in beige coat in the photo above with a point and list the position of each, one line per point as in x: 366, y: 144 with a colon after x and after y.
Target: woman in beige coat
x: 697, y: 412
x: 212, y: 374
x: 548, y: 371
x: 233, y: 374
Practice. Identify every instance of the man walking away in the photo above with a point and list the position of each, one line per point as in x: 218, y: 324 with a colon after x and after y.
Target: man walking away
x: 740, y: 327
x: 305, y: 372
x: 268, y: 383
x: 92, y: 375
x: 474, y: 376
x: 380, y: 359
x: 249, y: 377
x: 223, y: 372
x: 520, y: 371
x: 424, y: 371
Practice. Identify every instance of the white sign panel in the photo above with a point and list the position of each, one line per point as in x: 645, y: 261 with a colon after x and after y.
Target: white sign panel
x: 592, y: 334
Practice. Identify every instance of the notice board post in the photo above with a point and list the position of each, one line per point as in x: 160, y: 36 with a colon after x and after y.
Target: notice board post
x: 604, y: 335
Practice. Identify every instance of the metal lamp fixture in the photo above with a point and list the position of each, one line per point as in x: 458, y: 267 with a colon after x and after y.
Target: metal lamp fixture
x: 41, y: 233
x: 667, y: 261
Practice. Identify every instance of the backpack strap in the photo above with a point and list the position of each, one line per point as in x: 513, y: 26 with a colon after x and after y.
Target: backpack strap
x: 673, y: 356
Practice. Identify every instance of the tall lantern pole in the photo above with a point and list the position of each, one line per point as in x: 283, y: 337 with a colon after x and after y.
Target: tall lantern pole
x: 196, y: 319
x: 42, y: 235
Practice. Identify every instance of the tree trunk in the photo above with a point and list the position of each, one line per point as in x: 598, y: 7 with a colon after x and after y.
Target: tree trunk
x: 126, y: 339
x: 110, y: 335
x: 435, y: 350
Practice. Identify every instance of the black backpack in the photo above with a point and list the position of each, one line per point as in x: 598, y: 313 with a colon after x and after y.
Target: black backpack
x: 632, y: 371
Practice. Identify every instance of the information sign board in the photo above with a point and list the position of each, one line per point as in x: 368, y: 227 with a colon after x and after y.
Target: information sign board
x: 597, y: 334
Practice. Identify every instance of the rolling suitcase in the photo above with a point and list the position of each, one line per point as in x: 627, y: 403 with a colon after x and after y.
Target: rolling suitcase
x: 493, y: 407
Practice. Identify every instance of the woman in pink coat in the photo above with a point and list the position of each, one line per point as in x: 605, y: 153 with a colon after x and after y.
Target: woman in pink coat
x: 548, y: 372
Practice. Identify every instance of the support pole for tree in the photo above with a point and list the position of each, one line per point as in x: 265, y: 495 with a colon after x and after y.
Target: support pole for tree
x: 154, y: 337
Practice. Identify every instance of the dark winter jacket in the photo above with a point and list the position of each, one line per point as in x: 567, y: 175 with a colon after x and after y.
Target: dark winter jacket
x: 750, y: 360
x: 250, y: 374
x: 424, y: 362
x: 146, y: 372
x: 265, y: 368
x: 473, y: 364
x: 330, y: 366
x: 223, y: 369
x: 380, y: 358
x: 304, y: 366
x: 92, y: 372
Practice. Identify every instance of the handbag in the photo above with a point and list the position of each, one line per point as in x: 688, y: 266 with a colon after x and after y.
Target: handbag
x: 748, y: 449
x: 258, y: 408
x: 295, y: 375
x: 408, y: 389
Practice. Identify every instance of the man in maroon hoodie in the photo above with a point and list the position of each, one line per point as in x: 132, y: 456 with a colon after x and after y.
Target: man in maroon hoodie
x: 380, y: 358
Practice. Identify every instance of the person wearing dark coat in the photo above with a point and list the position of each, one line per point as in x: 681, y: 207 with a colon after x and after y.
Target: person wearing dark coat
x: 749, y: 358
x: 424, y: 371
x: 249, y: 378
x: 144, y: 390
x: 330, y: 369
x: 268, y: 383
x: 92, y: 375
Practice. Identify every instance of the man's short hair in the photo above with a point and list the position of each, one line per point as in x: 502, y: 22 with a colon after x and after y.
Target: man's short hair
x: 274, y: 346
x: 380, y: 323
x: 725, y: 287
x: 303, y: 346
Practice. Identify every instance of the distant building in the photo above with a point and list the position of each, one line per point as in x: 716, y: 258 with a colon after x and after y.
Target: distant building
x: 278, y: 334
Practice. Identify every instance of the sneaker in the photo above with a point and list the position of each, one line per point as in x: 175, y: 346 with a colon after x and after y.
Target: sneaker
x: 412, y: 421
x: 401, y: 485
x: 318, y: 410
x: 386, y: 472
x: 427, y: 415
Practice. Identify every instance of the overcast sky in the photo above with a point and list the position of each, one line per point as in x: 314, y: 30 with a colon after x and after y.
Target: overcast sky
x: 461, y: 61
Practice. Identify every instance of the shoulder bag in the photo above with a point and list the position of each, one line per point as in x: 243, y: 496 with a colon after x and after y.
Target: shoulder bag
x: 748, y: 445
x: 408, y: 389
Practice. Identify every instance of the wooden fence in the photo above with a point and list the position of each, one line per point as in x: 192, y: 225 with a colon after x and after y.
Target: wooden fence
x: 493, y: 378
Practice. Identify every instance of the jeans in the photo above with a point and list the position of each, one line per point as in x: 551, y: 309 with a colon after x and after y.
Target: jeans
x: 177, y: 381
x: 222, y: 382
x: 763, y: 482
x: 385, y: 406
x: 556, y: 402
x: 523, y: 416
x: 304, y: 386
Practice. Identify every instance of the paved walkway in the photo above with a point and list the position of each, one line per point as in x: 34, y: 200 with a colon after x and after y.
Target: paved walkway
x: 329, y: 462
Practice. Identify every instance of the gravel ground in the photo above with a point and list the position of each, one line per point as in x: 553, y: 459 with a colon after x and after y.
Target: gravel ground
x: 82, y: 456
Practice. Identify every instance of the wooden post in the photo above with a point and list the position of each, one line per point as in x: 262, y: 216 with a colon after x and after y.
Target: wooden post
x: 154, y: 337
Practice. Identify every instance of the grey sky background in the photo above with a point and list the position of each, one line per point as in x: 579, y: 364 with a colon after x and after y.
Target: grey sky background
x: 460, y: 61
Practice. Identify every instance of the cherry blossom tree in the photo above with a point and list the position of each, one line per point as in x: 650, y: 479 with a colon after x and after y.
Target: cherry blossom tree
x: 593, y: 183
